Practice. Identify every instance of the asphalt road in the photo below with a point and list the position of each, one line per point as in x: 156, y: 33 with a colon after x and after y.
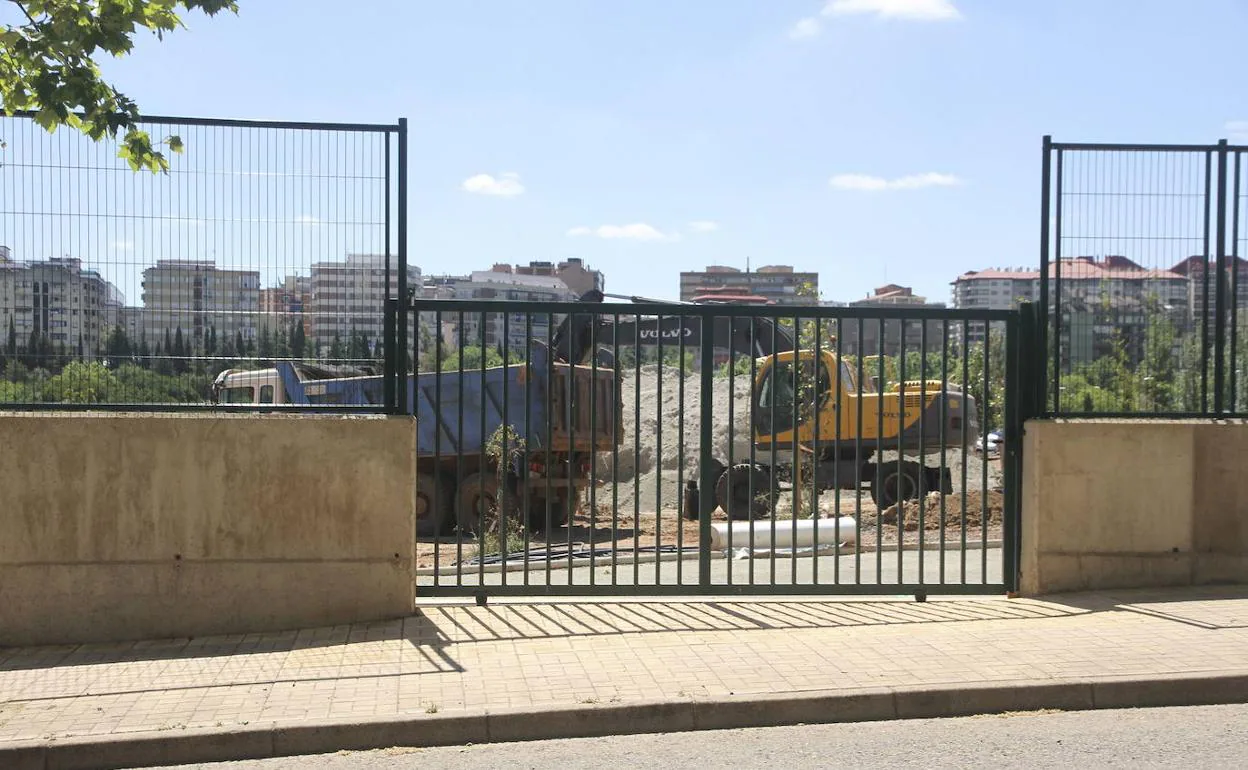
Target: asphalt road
x: 1204, y: 737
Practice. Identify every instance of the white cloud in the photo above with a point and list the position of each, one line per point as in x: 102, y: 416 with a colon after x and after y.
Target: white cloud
x: 1237, y: 130
x: 638, y: 231
x: 505, y: 185
x: 307, y: 219
x: 704, y: 226
x: 909, y: 10
x: 804, y: 29
x: 123, y: 245
x: 865, y: 183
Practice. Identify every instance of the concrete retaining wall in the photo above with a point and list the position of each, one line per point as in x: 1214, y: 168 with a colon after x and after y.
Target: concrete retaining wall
x: 1114, y: 504
x: 122, y: 526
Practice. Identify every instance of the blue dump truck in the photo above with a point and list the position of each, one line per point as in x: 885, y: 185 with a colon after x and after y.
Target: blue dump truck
x: 561, y: 414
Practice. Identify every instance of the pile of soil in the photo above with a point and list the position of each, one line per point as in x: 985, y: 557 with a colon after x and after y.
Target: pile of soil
x: 930, y: 506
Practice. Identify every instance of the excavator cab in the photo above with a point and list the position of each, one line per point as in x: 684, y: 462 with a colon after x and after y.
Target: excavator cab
x: 792, y: 390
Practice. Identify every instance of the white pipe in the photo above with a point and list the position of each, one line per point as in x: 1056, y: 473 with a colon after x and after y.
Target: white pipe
x: 830, y: 531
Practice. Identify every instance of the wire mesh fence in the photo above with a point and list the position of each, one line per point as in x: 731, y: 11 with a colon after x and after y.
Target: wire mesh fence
x: 1141, y: 278
x: 264, y: 243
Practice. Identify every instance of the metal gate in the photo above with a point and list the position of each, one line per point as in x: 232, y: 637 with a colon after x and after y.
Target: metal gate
x: 664, y: 449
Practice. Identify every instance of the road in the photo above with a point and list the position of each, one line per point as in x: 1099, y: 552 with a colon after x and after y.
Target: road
x: 1204, y: 737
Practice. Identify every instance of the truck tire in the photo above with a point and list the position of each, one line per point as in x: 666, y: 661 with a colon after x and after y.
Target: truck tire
x: 732, y: 492
x: 433, y: 505
x: 559, y: 515
x: 892, y: 483
x: 477, y: 502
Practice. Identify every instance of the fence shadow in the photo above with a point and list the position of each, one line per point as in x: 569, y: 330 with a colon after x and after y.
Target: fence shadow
x: 1212, y: 608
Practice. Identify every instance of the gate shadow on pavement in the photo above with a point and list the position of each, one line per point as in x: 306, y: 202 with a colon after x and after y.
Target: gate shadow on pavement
x: 518, y: 622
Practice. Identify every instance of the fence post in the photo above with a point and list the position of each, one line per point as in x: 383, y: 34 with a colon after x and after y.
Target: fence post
x: 401, y: 363
x: 390, y: 370
x: 1046, y: 195
x: 1219, y: 307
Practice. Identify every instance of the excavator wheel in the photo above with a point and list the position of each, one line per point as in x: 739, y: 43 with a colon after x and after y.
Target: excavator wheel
x: 733, y: 489
x: 892, y: 483
x: 433, y: 505
x: 559, y: 515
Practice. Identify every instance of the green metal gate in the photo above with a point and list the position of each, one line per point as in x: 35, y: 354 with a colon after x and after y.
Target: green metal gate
x: 670, y: 449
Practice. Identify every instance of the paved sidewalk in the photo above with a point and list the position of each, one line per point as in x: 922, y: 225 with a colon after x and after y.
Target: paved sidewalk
x: 526, y: 659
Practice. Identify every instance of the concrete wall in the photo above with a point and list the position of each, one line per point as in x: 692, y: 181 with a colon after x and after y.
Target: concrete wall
x: 1112, y: 504
x: 122, y: 526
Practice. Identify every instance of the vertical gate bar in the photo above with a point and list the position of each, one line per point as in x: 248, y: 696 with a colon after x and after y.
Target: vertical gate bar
x: 484, y: 468
x: 1234, y: 290
x: 1220, y: 309
x: 401, y: 321
x: 440, y: 493
x: 772, y: 440
x: 526, y: 499
x: 636, y: 450
x: 796, y: 445
x: 923, y: 490
x: 983, y: 467
x: 966, y: 386
x: 1204, y: 315
x: 658, y: 456
x: 1014, y: 378
x: 680, y: 451
x: 706, y: 483
x: 504, y: 457
x: 732, y: 438
x: 549, y: 411
x: 880, y: 467
x: 570, y: 406
x: 859, y: 424
x: 617, y: 411
x: 461, y: 520
x: 814, y: 473
x: 595, y: 320
x: 1057, y: 294
x: 1046, y: 195
x: 944, y: 438
x: 771, y: 499
x: 901, y: 453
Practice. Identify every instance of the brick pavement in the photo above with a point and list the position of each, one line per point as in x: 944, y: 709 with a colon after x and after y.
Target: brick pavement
x: 450, y: 658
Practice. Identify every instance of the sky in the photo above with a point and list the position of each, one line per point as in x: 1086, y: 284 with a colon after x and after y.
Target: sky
x: 873, y: 141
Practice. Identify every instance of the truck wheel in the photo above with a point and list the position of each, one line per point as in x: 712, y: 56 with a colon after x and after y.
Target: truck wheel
x: 477, y: 502
x: 892, y: 483
x: 732, y: 492
x: 433, y: 504
x: 559, y: 515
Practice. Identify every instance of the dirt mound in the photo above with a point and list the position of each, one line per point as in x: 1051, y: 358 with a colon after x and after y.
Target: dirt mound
x: 931, y: 509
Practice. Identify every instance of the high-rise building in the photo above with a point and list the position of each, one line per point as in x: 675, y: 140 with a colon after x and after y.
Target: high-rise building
x: 348, y: 297
x: 779, y: 284
x: 890, y: 340
x: 60, y: 300
x: 572, y: 271
x: 288, y: 303
x: 196, y: 296
x: 500, y: 285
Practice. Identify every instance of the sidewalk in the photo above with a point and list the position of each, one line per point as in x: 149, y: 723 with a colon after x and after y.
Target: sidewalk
x: 453, y: 674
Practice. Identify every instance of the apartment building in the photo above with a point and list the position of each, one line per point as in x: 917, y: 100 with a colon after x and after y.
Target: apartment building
x: 1100, y: 298
x: 779, y: 284
x: 196, y: 296
x: 348, y: 297
x: 288, y: 303
x: 572, y: 271
x: 500, y: 285
x: 891, y: 336
x: 59, y: 299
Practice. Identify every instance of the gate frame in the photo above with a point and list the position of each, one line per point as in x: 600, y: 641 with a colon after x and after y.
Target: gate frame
x: 1020, y: 402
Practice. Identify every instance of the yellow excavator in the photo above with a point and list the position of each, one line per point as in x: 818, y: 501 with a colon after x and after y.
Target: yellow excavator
x: 809, y: 404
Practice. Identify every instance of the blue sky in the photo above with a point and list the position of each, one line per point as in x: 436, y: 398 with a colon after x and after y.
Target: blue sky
x: 624, y: 123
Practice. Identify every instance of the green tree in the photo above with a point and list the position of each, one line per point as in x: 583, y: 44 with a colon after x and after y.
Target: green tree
x: 117, y: 347
x: 12, y: 342
x: 337, y: 351
x: 48, y: 66
x: 80, y: 383
x: 472, y: 359
x: 298, y: 340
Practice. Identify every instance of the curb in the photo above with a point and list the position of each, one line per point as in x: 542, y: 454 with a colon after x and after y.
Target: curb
x: 585, y: 721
